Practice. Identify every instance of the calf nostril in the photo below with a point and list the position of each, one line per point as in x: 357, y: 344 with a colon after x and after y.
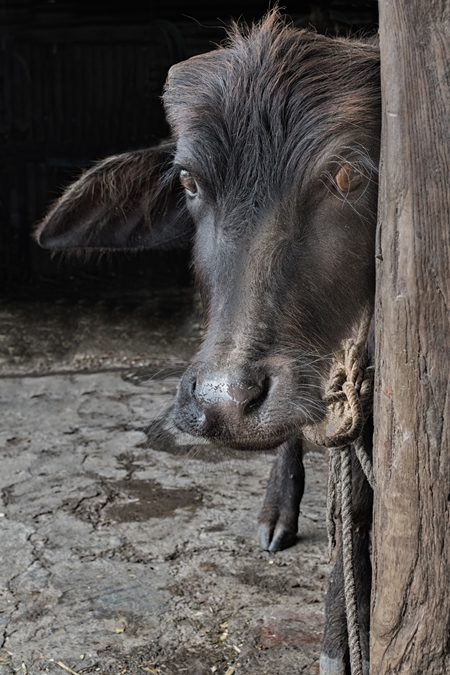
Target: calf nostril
x: 257, y: 395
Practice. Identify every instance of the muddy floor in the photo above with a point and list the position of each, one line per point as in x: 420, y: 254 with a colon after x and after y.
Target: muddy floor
x: 125, y: 546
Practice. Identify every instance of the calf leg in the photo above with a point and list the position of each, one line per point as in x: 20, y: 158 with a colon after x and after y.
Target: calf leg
x: 334, y: 658
x: 278, y: 520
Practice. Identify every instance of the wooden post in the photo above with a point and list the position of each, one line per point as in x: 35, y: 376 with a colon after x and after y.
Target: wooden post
x: 411, y: 590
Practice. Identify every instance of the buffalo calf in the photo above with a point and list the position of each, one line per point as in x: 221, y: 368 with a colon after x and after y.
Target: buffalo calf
x: 271, y: 176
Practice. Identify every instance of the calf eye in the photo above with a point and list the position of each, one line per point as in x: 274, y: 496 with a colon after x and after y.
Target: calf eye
x: 188, y: 182
x: 348, y: 179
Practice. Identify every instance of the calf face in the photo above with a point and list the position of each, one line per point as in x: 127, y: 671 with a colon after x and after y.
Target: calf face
x: 275, y: 147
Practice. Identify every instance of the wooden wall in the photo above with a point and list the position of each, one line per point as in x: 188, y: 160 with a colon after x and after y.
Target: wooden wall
x: 411, y: 589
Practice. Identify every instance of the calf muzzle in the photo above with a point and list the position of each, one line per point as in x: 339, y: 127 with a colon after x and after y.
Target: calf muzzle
x: 219, y: 403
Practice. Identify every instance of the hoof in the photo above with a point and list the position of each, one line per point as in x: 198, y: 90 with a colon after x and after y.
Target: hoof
x: 332, y: 666
x: 276, y: 539
x: 265, y: 536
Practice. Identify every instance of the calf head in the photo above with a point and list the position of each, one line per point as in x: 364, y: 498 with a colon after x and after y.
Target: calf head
x: 275, y: 140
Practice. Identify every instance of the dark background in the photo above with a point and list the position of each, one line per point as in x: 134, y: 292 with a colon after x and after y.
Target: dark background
x: 81, y: 79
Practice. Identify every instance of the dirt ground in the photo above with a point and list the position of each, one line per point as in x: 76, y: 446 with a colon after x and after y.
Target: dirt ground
x: 125, y: 546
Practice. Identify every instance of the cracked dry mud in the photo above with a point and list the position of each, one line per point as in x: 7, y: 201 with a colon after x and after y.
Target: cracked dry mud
x: 125, y: 547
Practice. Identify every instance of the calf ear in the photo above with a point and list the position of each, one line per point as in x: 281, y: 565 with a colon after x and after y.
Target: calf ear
x: 131, y: 201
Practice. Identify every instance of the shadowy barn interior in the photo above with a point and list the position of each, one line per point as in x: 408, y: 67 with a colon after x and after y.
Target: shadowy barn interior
x: 82, y: 79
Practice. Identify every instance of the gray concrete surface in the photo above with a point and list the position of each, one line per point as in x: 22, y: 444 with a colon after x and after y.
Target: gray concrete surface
x: 126, y: 547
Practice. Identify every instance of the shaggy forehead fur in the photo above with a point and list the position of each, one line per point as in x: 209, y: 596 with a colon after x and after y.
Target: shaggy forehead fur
x: 272, y: 91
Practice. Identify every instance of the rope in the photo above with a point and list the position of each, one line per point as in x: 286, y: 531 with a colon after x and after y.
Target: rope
x: 349, y: 399
x: 333, y: 508
x: 351, y: 608
x: 365, y: 461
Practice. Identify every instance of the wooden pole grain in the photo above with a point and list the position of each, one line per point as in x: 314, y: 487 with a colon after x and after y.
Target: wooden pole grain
x: 410, y: 630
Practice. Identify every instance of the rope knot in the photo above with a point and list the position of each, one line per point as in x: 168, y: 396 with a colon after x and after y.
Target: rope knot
x: 348, y: 396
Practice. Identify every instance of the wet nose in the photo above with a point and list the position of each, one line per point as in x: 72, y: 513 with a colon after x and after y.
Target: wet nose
x: 216, y: 404
x: 239, y: 396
